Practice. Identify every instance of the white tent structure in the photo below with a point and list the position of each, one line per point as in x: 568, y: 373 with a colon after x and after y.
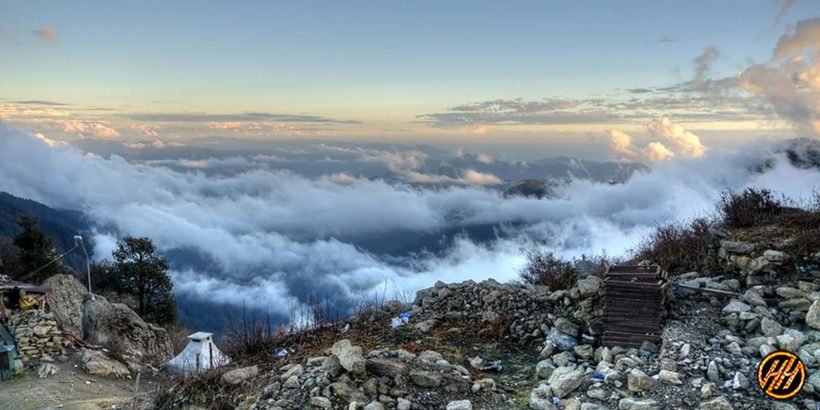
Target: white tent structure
x: 201, y: 354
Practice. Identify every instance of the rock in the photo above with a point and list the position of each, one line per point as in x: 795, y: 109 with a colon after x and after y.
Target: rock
x: 321, y: 402
x: 296, y: 370
x: 634, y: 404
x: 813, y: 315
x: 589, y: 286
x: 238, y: 376
x: 332, y: 366
x: 115, y: 324
x: 670, y: 377
x: 753, y: 298
x: 770, y: 327
x: 382, y: 367
x: 66, y: 303
x: 737, y: 247
x: 790, y: 293
x: 566, y: 327
x: 564, y: 380
x: 734, y: 349
x: 404, y: 404
x: 638, y: 381
x: 426, y: 325
x: 544, y: 369
x: 425, y: 379
x: 350, y: 357
x: 736, y: 306
x: 96, y: 363
x: 460, y: 405
x: 718, y: 403
x: 562, y: 340
x: 740, y: 381
x: 707, y: 390
x: 374, y: 405
x: 483, y: 385
x: 775, y: 256
x: 541, y: 398
x: 712, y: 372
x: 584, y: 351
x: 347, y: 393
x: 45, y: 370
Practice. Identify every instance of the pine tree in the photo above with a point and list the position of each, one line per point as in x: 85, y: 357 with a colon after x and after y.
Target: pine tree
x: 144, y: 275
x: 36, y: 250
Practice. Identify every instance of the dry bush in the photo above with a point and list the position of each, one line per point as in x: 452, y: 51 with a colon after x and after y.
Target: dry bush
x: 545, y: 268
x: 752, y: 207
x: 677, y: 247
x: 206, y: 388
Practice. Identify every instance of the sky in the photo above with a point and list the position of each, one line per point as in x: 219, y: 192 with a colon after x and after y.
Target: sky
x: 451, y: 73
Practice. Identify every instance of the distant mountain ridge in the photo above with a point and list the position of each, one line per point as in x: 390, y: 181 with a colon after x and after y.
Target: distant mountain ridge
x: 59, y: 224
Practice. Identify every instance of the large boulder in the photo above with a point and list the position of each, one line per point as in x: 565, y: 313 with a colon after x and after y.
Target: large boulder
x: 96, y: 363
x: 118, y: 327
x: 66, y: 302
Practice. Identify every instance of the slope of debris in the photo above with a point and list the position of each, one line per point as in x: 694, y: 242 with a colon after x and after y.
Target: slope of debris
x: 490, y: 345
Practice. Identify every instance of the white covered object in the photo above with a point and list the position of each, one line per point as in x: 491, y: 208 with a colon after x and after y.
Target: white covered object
x: 201, y: 354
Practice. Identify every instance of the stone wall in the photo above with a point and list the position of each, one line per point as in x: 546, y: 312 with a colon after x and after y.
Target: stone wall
x: 37, y: 335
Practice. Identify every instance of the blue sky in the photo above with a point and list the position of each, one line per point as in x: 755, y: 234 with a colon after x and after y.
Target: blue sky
x: 380, y: 63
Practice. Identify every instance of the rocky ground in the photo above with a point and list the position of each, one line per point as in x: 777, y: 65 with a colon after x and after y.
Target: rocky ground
x: 510, y: 346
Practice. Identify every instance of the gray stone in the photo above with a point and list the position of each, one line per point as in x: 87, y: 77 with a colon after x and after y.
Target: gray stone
x: 374, y: 405
x: 350, y: 357
x: 347, y: 393
x: 712, y: 372
x: 565, y: 380
x: 790, y: 293
x: 460, y: 405
x: 238, y: 376
x: 718, y: 403
x: 813, y: 315
x: 736, y: 306
x: 567, y: 327
x: 541, y: 398
x: 753, y: 298
x: 670, y: 377
x: 589, y: 285
x: 404, y: 404
x: 775, y: 256
x: 737, y: 247
x: 320, y: 402
x: 562, y: 340
x: 635, y: 404
x: 296, y: 370
x: 383, y: 367
x: 425, y: 379
x: 544, y: 369
x: 770, y: 327
x: 639, y: 381
x: 740, y: 381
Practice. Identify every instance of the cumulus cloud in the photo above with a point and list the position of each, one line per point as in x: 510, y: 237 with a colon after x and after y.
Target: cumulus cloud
x: 99, y: 129
x: 271, y: 238
x: 790, y: 83
x: 683, y: 143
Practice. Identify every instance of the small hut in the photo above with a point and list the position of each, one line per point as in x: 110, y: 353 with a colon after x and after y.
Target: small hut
x: 17, y: 296
x: 199, y: 355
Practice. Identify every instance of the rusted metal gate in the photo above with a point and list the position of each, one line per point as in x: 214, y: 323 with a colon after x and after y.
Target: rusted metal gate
x: 634, y: 298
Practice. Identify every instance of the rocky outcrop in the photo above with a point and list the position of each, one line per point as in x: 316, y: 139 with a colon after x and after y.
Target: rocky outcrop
x: 117, y: 326
x: 66, y: 303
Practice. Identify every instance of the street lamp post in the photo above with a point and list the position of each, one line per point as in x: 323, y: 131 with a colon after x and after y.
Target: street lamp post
x: 78, y: 240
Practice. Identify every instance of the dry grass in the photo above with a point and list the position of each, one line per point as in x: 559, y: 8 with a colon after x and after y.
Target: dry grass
x: 678, y: 247
x: 547, y: 269
x: 752, y: 207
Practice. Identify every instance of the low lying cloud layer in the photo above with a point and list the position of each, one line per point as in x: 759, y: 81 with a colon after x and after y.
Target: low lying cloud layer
x: 269, y: 239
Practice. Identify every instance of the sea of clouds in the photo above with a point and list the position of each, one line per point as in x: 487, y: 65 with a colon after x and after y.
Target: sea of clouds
x: 270, y: 239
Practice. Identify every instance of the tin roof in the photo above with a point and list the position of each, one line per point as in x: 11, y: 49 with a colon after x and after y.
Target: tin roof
x: 6, y: 283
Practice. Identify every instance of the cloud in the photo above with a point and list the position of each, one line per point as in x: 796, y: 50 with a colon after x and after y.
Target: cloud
x: 790, y: 83
x: 41, y: 102
x: 703, y: 64
x: 785, y: 5
x: 683, y: 143
x: 223, y: 118
x: 271, y: 239
x: 100, y: 129
x: 806, y: 38
x: 46, y: 34
x: 146, y: 130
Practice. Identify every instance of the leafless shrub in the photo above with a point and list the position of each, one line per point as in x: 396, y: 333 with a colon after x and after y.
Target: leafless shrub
x: 677, y: 247
x: 546, y: 268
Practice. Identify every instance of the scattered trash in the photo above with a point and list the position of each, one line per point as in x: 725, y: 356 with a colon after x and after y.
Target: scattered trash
x: 346, y: 328
x: 597, y: 375
x: 282, y: 353
x: 400, y: 320
x: 485, y: 365
x: 556, y: 400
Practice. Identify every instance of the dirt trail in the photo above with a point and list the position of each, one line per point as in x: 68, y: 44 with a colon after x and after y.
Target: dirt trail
x: 70, y: 388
